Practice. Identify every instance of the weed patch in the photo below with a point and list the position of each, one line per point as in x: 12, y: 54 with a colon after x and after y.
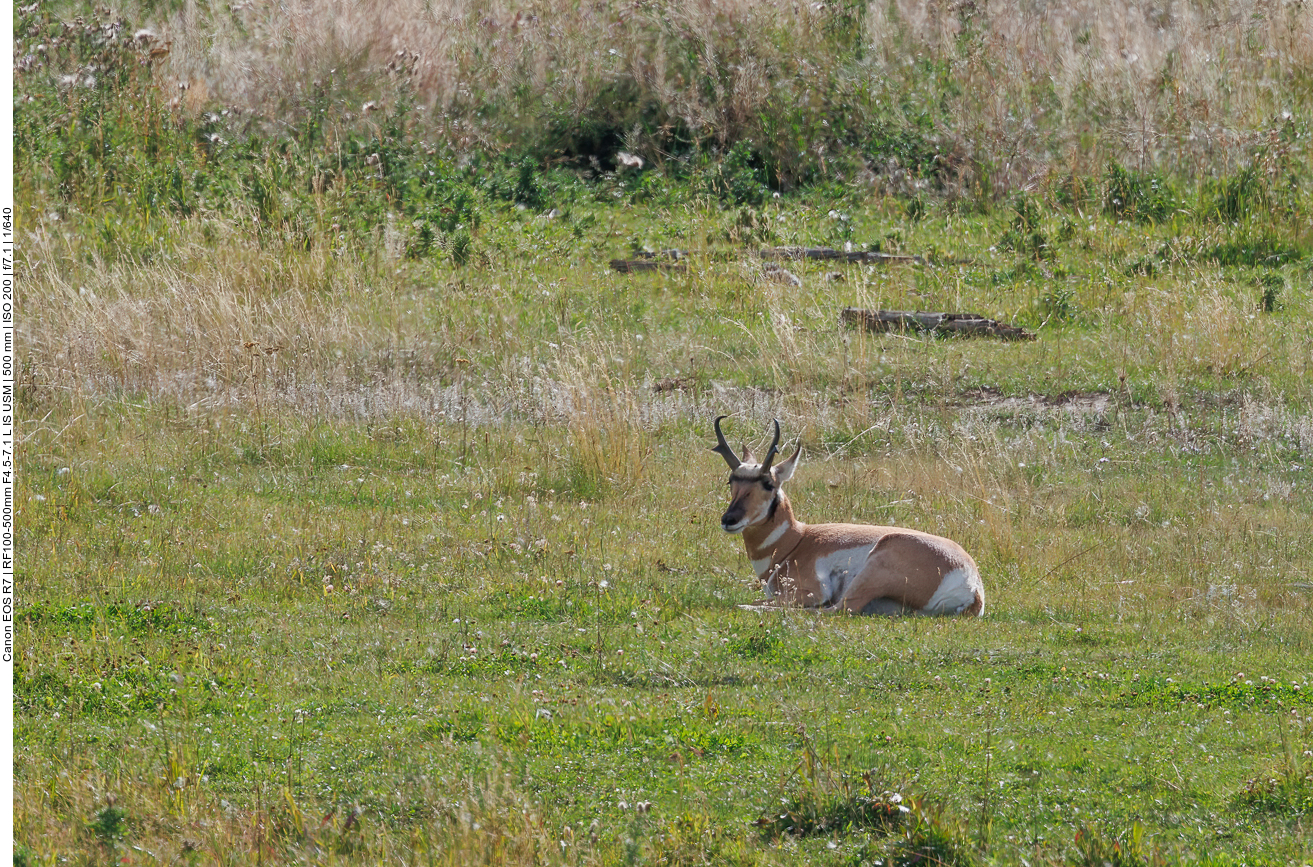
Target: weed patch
x: 1138, y: 196
x: 1289, y: 795
x: 1264, y: 250
x: 109, y: 825
x: 759, y: 643
x: 1096, y: 849
x: 1235, y: 694
x: 145, y: 617
x: 1025, y: 235
x: 846, y: 809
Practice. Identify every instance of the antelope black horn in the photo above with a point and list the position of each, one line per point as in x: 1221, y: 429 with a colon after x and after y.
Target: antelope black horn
x: 722, y: 448
x: 772, y: 451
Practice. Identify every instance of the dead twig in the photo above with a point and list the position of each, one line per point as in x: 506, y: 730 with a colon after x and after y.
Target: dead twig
x: 935, y: 323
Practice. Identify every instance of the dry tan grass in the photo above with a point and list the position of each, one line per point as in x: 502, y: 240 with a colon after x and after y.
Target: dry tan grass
x: 463, y: 57
x: 608, y: 414
x: 1194, y: 86
x: 232, y: 324
x: 186, y: 329
x: 1179, y: 85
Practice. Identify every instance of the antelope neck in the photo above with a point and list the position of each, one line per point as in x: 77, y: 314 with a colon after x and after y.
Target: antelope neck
x: 777, y: 536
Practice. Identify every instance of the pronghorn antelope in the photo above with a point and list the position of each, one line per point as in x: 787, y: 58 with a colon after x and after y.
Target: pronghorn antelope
x: 857, y: 568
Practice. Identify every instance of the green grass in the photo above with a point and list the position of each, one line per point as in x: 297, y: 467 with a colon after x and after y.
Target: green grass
x: 424, y: 632
x: 367, y: 516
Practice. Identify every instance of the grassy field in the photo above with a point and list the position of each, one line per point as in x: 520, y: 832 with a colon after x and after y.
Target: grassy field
x: 367, y: 516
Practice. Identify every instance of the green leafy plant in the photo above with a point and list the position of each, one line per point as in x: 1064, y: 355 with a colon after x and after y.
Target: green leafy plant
x: 740, y: 177
x: 1025, y: 235
x: 110, y: 824
x: 1270, y: 289
x: 1095, y: 849
x: 1059, y: 303
x: 842, y: 811
x: 1144, y: 197
x: 1238, y: 197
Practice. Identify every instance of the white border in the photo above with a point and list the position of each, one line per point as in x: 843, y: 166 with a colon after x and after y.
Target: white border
x: 8, y: 358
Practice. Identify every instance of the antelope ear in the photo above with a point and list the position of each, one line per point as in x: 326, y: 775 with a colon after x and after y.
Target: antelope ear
x: 748, y: 457
x: 784, y: 471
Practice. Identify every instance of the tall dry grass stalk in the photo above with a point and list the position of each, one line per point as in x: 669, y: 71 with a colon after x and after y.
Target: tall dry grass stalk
x: 1182, y: 85
x: 187, y: 329
x: 465, y: 59
x: 1006, y: 92
x: 607, y: 415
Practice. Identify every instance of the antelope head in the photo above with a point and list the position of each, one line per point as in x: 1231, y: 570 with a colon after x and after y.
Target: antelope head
x: 754, y: 487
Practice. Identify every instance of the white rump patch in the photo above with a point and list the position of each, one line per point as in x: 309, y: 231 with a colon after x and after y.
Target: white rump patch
x: 957, y: 590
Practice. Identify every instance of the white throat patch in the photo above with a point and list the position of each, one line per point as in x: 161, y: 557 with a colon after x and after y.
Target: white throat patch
x: 776, y: 534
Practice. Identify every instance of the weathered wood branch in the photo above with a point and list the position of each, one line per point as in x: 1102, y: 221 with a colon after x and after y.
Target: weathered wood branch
x: 633, y: 266
x: 826, y: 253
x: 936, y: 323
x: 671, y: 254
x: 670, y: 260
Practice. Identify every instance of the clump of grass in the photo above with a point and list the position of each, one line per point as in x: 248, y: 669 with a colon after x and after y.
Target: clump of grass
x: 835, y: 803
x: 1025, y: 235
x: 1288, y: 792
x: 1145, y: 197
x: 1243, y: 196
x: 1269, y: 296
x: 1263, y: 247
x: 610, y: 444
x: 759, y: 642
x: 110, y: 824
x: 1096, y: 849
x: 840, y: 812
x: 899, y: 831
x: 1219, y: 339
x: 930, y: 838
x: 829, y: 800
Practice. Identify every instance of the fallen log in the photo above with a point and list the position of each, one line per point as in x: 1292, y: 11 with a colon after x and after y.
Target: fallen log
x: 826, y: 253
x: 633, y: 266
x: 671, y: 254
x: 935, y: 323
